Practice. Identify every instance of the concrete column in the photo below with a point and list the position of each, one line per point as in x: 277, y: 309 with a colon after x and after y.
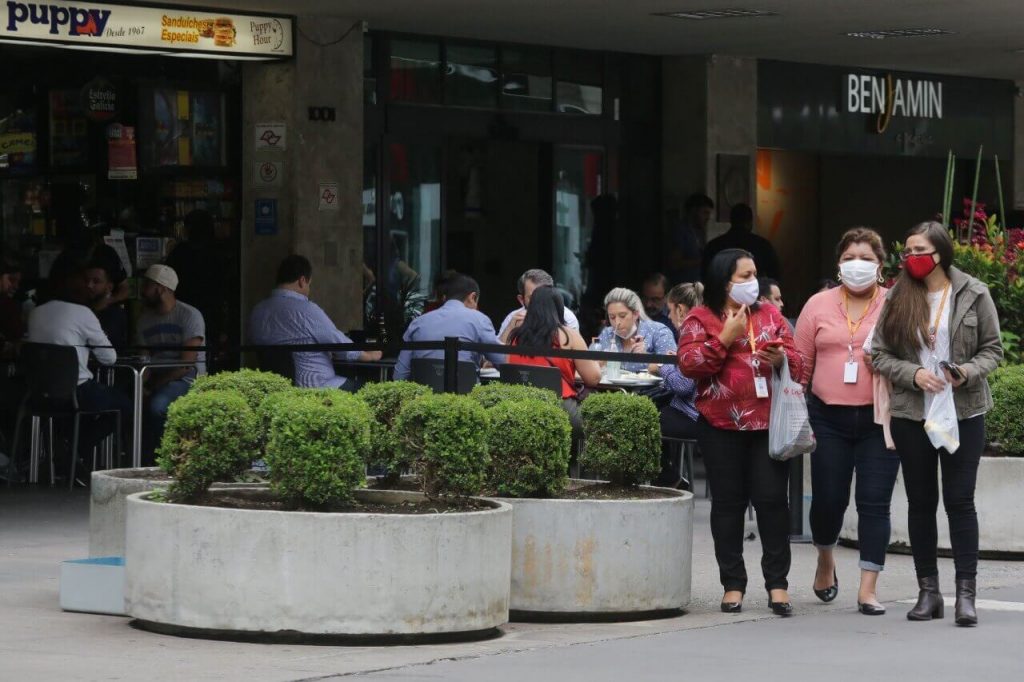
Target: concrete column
x: 709, y: 107
x: 1018, y: 147
x: 327, y: 71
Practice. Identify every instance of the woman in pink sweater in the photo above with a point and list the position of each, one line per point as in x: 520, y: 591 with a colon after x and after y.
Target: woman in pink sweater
x: 830, y: 335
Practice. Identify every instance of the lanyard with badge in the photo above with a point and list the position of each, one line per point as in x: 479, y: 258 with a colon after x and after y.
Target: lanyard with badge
x: 760, y: 383
x: 934, y: 329
x: 851, y: 368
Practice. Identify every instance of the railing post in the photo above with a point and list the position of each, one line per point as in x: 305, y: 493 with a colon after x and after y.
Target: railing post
x: 451, y: 364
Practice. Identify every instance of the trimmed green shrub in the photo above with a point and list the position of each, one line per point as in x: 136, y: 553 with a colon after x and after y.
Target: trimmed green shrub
x: 210, y: 436
x: 447, y: 436
x: 1004, y: 424
x: 489, y: 395
x: 316, y: 447
x: 529, y: 443
x: 386, y: 400
x: 252, y: 384
x: 623, y: 435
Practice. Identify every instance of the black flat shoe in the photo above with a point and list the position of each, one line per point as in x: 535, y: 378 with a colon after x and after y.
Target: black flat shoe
x: 780, y: 608
x: 871, y: 609
x: 731, y: 606
x: 831, y: 592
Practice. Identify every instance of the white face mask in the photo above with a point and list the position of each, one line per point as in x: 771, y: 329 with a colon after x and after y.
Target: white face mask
x: 628, y: 335
x: 858, y: 275
x: 745, y: 293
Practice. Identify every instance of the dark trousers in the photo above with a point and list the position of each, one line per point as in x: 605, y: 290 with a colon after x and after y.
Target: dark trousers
x: 959, y: 475
x: 94, y: 397
x: 848, y: 440
x: 674, y: 424
x: 740, y: 472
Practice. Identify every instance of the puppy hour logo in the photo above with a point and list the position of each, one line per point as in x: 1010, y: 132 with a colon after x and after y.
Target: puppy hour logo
x: 74, y: 21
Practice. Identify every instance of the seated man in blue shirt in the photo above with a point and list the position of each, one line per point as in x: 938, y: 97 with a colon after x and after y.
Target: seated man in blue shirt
x: 288, y: 317
x: 458, y: 317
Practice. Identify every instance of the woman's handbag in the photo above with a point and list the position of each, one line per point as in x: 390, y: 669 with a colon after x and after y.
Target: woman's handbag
x: 789, y: 426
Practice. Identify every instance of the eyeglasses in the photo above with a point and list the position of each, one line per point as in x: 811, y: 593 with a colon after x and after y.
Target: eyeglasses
x: 907, y: 254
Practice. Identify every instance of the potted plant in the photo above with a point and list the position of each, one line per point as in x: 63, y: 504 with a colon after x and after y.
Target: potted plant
x: 586, y: 550
x: 386, y: 400
x: 313, y: 554
x: 110, y: 488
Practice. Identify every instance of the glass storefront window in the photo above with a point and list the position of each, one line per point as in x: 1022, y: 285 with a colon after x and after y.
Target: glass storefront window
x: 471, y: 76
x: 526, y: 79
x: 369, y: 72
x: 579, y: 179
x: 416, y: 71
x: 580, y: 77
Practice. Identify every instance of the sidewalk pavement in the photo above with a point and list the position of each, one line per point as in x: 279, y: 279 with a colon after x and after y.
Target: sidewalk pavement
x: 41, y: 527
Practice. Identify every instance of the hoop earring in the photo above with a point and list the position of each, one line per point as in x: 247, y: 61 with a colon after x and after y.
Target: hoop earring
x: 881, y: 278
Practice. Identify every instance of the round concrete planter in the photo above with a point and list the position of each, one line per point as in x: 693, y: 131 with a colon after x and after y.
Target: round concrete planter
x: 601, y: 559
x: 233, y: 572
x: 108, y: 492
x: 999, y: 499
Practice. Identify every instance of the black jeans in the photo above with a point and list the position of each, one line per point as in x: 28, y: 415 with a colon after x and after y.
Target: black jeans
x: 741, y: 472
x: 94, y: 397
x: 674, y: 424
x: 848, y: 438
x: 959, y: 476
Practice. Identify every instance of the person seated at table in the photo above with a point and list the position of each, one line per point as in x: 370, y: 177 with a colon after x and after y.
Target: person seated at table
x: 113, y: 318
x: 544, y: 326
x: 65, y: 320
x: 12, y: 322
x: 679, y: 416
x: 629, y: 330
x: 289, y: 318
x: 654, y: 292
x: 177, y: 326
x: 458, y: 317
x: 528, y: 282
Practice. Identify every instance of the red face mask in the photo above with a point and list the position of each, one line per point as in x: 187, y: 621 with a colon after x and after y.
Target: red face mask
x: 920, y: 265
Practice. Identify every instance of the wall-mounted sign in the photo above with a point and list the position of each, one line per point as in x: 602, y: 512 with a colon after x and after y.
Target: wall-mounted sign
x: 121, y: 161
x: 327, y: 196
x: 266, y: 216
x: 267, y: 174
x: 888, y: 96
x: 169, y: 29
x: 838, y: 110
x: 322, y: 114
x: 99, y: 100
x: 271, y: 137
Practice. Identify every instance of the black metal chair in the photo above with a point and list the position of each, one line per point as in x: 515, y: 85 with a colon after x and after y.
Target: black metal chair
x: 430, y: 372
x: 278, y: 361
x: 532, y: 375
x: 51, y: 375
x: 683, y: 450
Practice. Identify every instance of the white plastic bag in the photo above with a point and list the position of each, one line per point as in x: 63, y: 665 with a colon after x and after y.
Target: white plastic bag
x: 789, y: 427
x: 941, y: 424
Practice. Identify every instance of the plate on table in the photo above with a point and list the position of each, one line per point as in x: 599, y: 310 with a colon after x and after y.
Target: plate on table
x: 490, y: 373
x: 633, y: 379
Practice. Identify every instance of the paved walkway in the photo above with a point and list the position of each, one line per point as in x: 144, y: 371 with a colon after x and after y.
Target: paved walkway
x: 41, y: 527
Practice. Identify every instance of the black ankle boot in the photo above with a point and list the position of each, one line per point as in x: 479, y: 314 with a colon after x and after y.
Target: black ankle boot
x: 929, y: 600
x: 966, y: 589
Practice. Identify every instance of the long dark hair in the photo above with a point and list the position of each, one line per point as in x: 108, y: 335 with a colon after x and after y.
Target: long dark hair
x: 719, y: 274
x: 544, y: 319
x: 905, y: 322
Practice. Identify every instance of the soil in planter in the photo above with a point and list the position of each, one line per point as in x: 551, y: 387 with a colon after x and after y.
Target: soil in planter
x: 267, y: 501
x: 403, y: 485
x: 608, y: 491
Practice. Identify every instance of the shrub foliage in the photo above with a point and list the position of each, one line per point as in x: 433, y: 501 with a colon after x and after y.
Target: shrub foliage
x: 1004, y: 424
x: 251, y: 384
x: 529, y: 443
x: 447, y: 436
x: 386, y: 401
x: 489, y: 395
x: 623, y: 435
x: 317, y: 446
x: 210, y: 436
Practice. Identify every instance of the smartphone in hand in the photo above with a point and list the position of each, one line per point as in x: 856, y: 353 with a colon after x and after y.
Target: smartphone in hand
x: 953, y: 370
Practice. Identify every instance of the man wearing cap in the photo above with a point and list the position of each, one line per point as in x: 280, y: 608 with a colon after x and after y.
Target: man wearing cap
x: 166, y: 321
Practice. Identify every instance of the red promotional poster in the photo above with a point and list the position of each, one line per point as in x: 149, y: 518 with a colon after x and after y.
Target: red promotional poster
x: 121, y: 162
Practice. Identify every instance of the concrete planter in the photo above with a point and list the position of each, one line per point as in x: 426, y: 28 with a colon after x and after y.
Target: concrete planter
x: 108, y: 492
x: 596, y: 559
x: 999, y: 498
x: 215, y: 571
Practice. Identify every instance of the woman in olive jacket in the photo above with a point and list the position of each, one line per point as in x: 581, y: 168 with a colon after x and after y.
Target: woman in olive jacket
x: 939, y: 328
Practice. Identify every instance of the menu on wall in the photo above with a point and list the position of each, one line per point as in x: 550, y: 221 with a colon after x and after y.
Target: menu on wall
x: 167, y: 29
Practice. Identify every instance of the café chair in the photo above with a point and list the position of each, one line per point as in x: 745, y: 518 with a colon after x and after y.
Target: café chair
x: 532, y: 375
x: 682, y: 450
x: 430, y: 372
x: 278, y: 361
x: 51, y: 377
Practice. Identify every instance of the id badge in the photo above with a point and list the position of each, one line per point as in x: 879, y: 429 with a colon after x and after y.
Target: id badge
x: 850, y: 372
x: 761, y: 387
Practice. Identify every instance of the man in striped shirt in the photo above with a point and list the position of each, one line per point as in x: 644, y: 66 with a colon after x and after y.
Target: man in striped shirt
x: 288, y: 317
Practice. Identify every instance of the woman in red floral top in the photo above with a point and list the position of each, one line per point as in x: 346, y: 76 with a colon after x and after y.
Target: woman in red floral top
x: 729, y: 346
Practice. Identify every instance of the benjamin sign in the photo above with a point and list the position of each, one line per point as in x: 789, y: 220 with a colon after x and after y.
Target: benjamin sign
x: 887, y: 97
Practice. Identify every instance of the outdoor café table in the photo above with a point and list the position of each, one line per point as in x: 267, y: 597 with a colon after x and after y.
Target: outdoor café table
x: 385, y: 366
x: 139, y: 366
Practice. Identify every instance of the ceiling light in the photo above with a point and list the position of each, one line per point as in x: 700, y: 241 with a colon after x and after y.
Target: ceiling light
x: 899, y: 33
x: 700, y: 15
